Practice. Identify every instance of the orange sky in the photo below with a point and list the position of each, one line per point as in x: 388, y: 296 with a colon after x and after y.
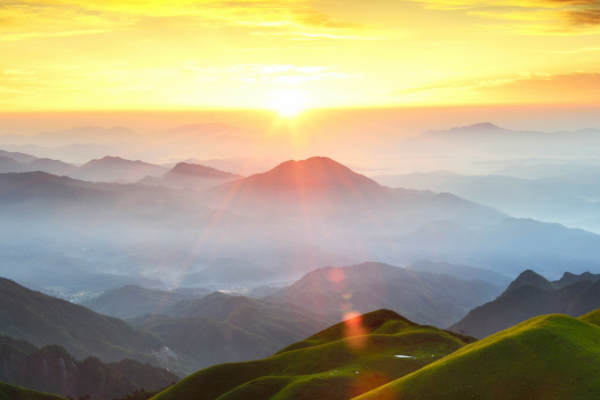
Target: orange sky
x: 172, y: 55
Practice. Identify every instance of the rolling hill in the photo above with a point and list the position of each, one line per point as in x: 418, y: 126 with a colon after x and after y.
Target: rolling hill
x: 340, y: 362
x: 12, y: 392
x: 546, y: 357
x: 424, y: 297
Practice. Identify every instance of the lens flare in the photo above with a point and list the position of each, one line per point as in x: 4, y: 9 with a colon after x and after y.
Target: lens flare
x: 355, y: 331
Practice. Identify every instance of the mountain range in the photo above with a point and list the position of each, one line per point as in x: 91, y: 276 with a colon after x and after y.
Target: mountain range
x: 220, y: 328
x: 53, y: 370
x: 528, y: 296
x: 43, y: 320
x: 570, y: 199
x: 425, y: 297
x: 269, y: 227
x: 341, y: 362
x: 191, y: 176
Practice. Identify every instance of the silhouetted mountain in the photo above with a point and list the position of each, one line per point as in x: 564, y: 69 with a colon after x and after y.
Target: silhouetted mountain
x: 425, y: 297
x: 340, y: 362
x: 110, y: 169
x: 44, y: 320
x: 463, y: 272
x: 53, y: 167
x: 220, y: 328
x: 18, y: 156
x: 529, y: 277
x: 322, y: 188
x: 133, y: 301
x: 244, y: 166
x: 8, y: 164
x: 53, y: 370
x: 569, y: 278
x: 528, y: 296
x: 191, y: 176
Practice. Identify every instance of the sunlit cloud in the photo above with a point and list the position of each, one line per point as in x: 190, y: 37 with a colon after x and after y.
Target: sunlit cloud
x: 531, y: 16
x: 537, y: 87
x: 31, y: 19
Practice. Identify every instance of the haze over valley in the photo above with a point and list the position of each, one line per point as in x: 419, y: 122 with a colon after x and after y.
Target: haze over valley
x: 292, y: 199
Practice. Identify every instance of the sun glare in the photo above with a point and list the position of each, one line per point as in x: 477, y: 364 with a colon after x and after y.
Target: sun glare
x: 289, y: 103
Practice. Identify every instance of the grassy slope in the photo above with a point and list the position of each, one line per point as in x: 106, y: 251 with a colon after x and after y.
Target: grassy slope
x: 547, y: 357
x: 44, y: 320
x: 326, y: 365
x: 10, y: 392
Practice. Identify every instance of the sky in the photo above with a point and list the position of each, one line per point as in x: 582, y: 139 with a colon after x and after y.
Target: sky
x: 291, y: 55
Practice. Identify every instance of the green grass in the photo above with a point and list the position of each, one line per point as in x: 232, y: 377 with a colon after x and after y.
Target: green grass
x: 327, y: 365
x: 11, y: 392
x: 547, y: 357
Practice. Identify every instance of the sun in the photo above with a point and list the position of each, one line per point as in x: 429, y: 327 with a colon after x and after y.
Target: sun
x: 289, y: 103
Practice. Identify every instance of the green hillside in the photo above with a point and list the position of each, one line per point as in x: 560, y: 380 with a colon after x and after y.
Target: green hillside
x: 43, y: 320
x: 11, y: 392
x: 340, y: 362
x: 547, y: 358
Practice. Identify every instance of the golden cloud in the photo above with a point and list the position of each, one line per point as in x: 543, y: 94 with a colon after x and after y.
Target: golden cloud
x: 537, y: 87
x: 539, y: 16
x: 25, y: 18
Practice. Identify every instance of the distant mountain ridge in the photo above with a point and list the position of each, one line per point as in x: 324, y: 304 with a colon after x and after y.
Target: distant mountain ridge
x: 110, y: 169
x: 53, y: 370
x: 528, y: 296
x: 424, y: 297
x: 134, y: 301
x: 463, y: 272
x: 44, y: 320
x: 191, y: 176
x: 320, y: 187
x: 220, y: 328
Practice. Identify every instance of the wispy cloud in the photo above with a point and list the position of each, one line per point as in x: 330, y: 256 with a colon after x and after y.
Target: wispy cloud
x: 21, y: 19
x: 553, y: 17
x: 577, y: 86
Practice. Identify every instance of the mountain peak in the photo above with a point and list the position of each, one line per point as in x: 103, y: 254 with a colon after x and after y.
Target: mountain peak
x: 184, y: 168
x: 475, y: 129
x: 532, y: 278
